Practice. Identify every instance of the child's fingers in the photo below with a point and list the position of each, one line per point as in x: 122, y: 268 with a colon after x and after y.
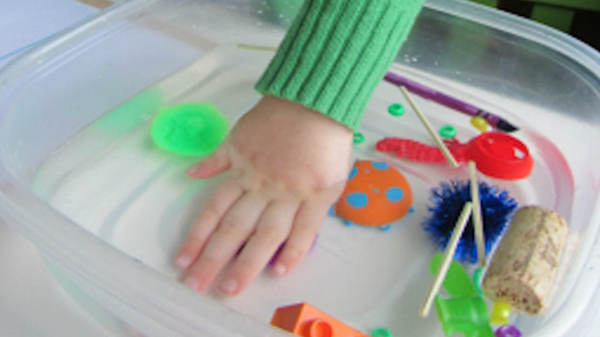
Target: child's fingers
x: 212, y: 165
x: 220, y: 201
x: 233, y: 230
x: 272, y: 230
x: 305, y: 228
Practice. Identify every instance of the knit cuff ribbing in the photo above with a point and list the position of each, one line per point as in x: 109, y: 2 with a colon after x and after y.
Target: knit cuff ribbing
x: 336, y: 52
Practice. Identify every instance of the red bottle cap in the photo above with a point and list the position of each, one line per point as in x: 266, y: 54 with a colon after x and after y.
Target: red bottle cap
x: 500, y: 155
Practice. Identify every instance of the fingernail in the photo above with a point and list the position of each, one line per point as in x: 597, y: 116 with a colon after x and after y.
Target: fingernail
x: 229, y: 286
x: 183, y: 261
x: 192, y: 283
x: 279, y: 269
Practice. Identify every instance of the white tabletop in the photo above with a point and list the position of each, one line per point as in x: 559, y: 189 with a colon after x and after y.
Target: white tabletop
x: 32, y: 304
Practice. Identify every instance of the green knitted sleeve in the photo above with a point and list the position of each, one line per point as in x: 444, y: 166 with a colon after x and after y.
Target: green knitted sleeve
x: 336, y: 52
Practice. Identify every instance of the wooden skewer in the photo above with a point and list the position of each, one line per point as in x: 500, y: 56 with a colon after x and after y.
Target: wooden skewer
x: 432, y: 133
x: 255, y: 47
x: 477, y: 219
x: 447, y: 258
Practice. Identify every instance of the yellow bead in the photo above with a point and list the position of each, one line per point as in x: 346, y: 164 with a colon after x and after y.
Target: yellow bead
x: 479, y: 123
x: 500, y: 313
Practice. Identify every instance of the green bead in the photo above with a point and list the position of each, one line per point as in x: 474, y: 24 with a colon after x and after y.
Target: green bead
x: 381, y: 332
x: 477, y: 280
x: 191, y: 129
x: 448, y: 132
x: 396, y: 109
x: 359, y: 138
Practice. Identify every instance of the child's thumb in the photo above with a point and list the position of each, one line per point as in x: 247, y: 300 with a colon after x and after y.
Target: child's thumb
x: 212, y: 165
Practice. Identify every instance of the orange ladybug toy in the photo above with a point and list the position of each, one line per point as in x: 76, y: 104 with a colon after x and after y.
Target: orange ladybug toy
x: 376, y: 194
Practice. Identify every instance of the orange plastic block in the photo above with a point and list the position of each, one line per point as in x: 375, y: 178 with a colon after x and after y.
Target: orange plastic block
x: 306, y: 321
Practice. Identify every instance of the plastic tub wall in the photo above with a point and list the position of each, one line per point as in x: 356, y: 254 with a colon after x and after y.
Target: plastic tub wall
x: 74, y: 102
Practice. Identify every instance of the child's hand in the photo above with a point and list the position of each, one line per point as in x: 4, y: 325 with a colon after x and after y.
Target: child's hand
x: 288, y: 165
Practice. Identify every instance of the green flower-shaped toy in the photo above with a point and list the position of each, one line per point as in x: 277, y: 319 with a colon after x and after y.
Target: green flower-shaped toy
x: 190, y: 129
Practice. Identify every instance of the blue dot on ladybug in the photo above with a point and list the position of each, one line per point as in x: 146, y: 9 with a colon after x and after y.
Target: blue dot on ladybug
x: 380, y: 166
x: 353, y: 173
x: 357, y: 200
x: 394, y: 194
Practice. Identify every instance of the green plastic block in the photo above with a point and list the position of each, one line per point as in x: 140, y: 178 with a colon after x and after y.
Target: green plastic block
x: 457, y: 282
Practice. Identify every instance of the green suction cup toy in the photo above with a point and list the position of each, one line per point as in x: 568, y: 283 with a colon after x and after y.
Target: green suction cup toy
x: 191, y: 129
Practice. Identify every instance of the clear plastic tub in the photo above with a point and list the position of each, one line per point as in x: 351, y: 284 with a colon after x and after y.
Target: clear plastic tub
x: 80, y: 178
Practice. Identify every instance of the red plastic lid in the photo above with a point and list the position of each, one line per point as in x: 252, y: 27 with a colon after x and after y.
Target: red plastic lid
x: 500, y: 155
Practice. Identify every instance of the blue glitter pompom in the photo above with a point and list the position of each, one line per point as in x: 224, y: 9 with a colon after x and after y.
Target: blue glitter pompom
x: 497, y: 207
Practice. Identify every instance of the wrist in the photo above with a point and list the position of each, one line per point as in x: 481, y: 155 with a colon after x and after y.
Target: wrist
x: 300, y: 116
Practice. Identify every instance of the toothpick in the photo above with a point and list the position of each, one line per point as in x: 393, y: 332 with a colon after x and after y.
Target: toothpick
x: 256, y: 47
x: 447, y: 258
x: 477, y: 219
x: 432, y: 133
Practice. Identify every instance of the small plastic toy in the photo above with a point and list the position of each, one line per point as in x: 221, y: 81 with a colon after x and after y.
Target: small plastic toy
x: 457, y: 282
x: 396, y: 109
x: 480, y: 123
x: 359, y: 138
x: 191, y: 129
x: 448, y: 132
x: 467, y: 315
x: 478, y: 279
x: 497, y: 154
x: 376, y: 194
x: 508, y: 331
x: 465, y: 310
x: 500, y: 313
x: 307, y: 321
x: 381, y: 332
x: 448, y: 199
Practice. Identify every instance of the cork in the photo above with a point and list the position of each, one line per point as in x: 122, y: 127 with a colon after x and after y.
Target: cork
x: 526, y: 261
